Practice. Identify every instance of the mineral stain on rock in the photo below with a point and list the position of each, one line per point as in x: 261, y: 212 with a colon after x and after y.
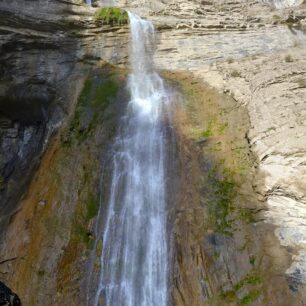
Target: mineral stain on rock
x: 64, y: 199
x: 224, y: 253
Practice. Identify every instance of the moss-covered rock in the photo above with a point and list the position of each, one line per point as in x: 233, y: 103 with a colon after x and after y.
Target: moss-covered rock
x: 219, y: 257
x: 98, y: 92
x: 112, y: 16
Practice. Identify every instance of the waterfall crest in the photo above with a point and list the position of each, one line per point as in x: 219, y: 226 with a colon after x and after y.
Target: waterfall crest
x: 279, y: 4
x: 134, y: 260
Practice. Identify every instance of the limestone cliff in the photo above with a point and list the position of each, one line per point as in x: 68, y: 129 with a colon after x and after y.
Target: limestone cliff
x: 238, y: 231
x: 47, y: 49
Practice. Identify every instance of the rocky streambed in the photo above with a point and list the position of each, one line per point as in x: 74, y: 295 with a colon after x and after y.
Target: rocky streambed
x: 238, y: 72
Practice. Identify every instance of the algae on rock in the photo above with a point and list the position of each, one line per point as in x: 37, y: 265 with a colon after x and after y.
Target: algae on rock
x: 65, y: 198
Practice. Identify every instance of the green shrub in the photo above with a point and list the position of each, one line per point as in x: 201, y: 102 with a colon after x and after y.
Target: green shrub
x: 112, y: 16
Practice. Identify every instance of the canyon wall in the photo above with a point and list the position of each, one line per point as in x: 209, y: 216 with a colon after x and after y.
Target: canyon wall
x: 47, y: 50
x: 239, y: 226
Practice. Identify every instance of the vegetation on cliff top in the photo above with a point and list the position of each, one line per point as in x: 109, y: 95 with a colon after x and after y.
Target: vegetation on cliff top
x: 112, y: 16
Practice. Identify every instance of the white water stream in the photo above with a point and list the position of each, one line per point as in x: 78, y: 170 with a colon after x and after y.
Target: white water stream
x: 134, y: 260
x: 279, y: 4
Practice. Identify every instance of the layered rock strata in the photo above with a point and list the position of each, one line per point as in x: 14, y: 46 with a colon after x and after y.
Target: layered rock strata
x: 251, y: 52
x: 254, y: 52
x: 47, y: 49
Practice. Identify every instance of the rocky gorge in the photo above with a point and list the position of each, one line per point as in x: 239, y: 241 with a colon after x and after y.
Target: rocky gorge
x: 237, y: 71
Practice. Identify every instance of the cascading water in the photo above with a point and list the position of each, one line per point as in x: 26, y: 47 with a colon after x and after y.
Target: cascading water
x: 135, y: 254
x: 283, y: 3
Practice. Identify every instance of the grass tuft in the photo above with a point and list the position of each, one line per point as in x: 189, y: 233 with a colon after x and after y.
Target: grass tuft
x: 112, y: 16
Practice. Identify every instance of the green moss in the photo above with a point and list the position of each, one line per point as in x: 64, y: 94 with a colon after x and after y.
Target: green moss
x: 247, y: 215
x: 251, y: 279
x: 229, y: 295
x: 81, y: 234
x: 221, y: 206
x: 95, y: 97
x: 103, y: 92
x: 112, y: 16
x: 92, y: 206
x: 252, y: 260
x: 222, y: 127
x: 214, y: 127
x: 251, y: 297
x: 207, y: 133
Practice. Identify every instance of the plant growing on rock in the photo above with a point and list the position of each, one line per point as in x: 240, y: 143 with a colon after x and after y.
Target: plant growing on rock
x: 112, y: 16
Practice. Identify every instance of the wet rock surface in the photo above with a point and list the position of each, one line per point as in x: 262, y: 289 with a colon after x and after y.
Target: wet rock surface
x: 225, y: 251
x: 7, y: 297
x: 56, y: 256
x: 254, y: 52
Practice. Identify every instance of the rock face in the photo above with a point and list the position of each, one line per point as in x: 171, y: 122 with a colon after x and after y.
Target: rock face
x: 242, y: 149
x: 277, y: 113
x: 7, y: 297
x: 47, y: 49
x: 247, y: 50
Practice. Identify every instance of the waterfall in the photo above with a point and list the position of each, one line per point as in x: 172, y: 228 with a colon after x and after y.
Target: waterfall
x: 134, y: 260
x: 88, y: 2
x: 283, y: 3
